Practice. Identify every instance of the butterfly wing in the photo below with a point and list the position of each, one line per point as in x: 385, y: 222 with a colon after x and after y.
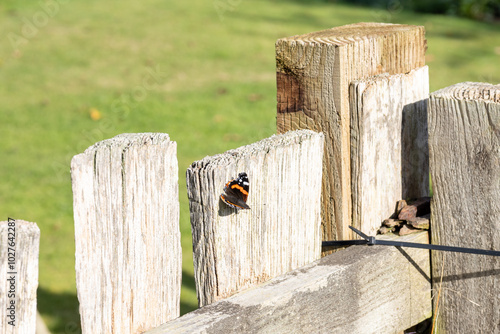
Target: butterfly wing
x: 236, y: 192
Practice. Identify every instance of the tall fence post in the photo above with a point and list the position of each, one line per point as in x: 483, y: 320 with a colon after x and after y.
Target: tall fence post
x: 389, y: 151
x: 19, y: 248
x: 464, y: 145
x: 313, y: 76
x: 234, y: 250
x: 128, y: 252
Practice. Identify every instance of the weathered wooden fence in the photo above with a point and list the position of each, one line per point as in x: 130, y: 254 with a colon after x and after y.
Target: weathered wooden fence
x: 314, y: 72
x: 365, y: 88
x: 19, y: 246
x: 128, y: 253
x: 389, y: 155
x: 464, y: 145
x: 281, y: 231
x: 357, y: 290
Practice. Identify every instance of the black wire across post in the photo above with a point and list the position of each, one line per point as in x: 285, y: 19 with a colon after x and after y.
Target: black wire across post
x: 370, y: 241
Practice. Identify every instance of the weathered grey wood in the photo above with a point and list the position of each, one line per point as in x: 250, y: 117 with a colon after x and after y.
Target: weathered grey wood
x: 362, y: 289
x: 313, y: 76
x: 128, y: 252
x: 234, y: 250
x: 383, y: 160
x: 464, y: 145
x: 23, y: 273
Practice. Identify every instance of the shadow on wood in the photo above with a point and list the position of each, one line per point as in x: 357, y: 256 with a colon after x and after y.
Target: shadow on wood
x: 363, y: 289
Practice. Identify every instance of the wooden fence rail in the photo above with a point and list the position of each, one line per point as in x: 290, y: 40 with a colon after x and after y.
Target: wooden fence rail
x: 19, y: 248
x: 362, y: 289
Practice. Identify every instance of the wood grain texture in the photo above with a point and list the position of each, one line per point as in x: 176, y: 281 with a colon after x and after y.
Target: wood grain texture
x: 464, y: 145
x: 27, y: 243
x: 313, y: 76
x: 389, y: 153
x: 362, y: 289
x: 234, y: 250
x: 128, y: 252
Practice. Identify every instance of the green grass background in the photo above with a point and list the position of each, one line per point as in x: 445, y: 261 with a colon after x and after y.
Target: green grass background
x: 215, y: 90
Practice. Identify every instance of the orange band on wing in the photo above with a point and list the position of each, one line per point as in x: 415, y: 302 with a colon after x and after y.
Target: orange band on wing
x: 240, y: 188
x: 230, y: 203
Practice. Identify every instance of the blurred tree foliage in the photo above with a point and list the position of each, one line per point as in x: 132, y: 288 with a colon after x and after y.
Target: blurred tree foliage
x: 485, y: 10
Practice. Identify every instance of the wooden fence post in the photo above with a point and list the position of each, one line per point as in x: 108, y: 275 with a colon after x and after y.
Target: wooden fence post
x: 19, y: 247
x: 313, y: 76
x: 234, y: 250
x: 464, y: 148
x: 389, y: 151
x: 128, y: 252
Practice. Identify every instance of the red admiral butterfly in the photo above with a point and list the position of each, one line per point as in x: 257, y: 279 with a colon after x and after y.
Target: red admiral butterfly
x: 236, y: 192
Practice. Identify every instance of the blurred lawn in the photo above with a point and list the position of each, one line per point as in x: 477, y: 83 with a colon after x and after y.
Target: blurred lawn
x: 201, y: 71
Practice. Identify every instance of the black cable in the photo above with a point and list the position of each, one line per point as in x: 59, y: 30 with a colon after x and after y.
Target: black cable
x: 372, y: 241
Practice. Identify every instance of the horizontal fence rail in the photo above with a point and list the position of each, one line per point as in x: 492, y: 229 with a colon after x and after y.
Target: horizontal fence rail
x: 362, y: 289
